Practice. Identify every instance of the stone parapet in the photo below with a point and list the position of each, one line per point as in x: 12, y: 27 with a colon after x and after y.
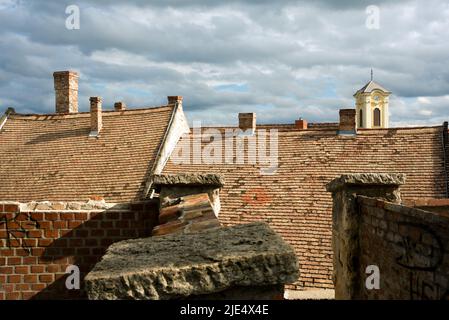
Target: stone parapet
x: 346, y: 222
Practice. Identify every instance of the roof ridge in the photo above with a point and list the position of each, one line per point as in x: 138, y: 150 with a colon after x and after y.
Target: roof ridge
x: 401, y: 128
x: 85, y: 114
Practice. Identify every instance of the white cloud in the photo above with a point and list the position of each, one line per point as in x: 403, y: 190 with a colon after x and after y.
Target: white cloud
x: 424, y: 100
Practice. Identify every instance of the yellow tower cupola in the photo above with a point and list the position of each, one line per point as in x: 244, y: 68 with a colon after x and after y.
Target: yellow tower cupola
x: 371, y: 103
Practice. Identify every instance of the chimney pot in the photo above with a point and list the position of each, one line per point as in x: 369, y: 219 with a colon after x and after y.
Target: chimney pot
x: 96, y: 121
x: 119, y: 106
x: 347, y: 125
x: 247, y: 121
x: 301, y: 124
x: 66, y: 91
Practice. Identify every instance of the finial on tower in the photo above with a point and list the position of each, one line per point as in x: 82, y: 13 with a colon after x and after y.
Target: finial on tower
x: 371, y: 74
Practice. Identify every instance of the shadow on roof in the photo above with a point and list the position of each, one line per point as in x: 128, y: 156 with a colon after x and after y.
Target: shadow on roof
x: 53, y: 136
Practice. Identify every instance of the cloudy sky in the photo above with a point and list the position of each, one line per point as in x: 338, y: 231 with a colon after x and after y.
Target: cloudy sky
x: 281, y: 59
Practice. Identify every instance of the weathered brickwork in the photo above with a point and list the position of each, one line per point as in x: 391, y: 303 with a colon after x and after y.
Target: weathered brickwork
x: 347, y: 121
x: 96, y: 123
x: 410, y: 247
x: 39, y: 240
x: 66, y: 91
x: 247, y: 121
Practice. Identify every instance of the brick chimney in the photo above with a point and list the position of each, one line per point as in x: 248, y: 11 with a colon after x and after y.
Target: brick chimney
x: 174, y: 100
x: 96, y: 122
x: 247, y: 121
x: 119, y: 106
x: 347, y: 125
x: 66, y: 91
x: 301, y: 124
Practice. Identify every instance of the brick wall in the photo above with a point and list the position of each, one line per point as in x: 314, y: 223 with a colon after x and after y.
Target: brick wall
x: 39, y: 240
x: 410, y: 247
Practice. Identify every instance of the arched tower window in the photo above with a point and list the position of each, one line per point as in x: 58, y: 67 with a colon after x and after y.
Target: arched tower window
x: 377, y: 117
x: 361, y: 118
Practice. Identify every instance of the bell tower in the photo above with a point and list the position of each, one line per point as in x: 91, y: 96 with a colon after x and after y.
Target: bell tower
x: 371, y: 104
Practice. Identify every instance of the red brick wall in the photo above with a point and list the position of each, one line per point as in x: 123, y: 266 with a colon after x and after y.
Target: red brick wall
x: 36, y: 246
x: 410, y: 247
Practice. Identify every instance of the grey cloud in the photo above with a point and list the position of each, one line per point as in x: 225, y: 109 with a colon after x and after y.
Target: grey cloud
x: 296, y: 58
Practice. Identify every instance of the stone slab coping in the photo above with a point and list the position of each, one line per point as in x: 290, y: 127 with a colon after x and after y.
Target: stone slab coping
x: 182, y: 265
x: 209, y: 179
x: 366, y: 179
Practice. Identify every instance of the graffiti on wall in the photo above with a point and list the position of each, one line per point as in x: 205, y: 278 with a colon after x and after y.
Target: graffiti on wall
x: 423, y: 288
x: 416, y: 254
x: 422, y: 253
x: 18, y: 228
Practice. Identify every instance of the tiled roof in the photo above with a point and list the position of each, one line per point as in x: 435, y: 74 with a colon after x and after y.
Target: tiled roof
x: 294, y: 201
x: 52, y: 157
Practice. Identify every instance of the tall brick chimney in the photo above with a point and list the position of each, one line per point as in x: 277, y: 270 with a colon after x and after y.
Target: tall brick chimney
x: 96, y: 121
x: 66, y: 91
x: 347, y: 125
x: 174, y: 100
x: 247, y: 121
